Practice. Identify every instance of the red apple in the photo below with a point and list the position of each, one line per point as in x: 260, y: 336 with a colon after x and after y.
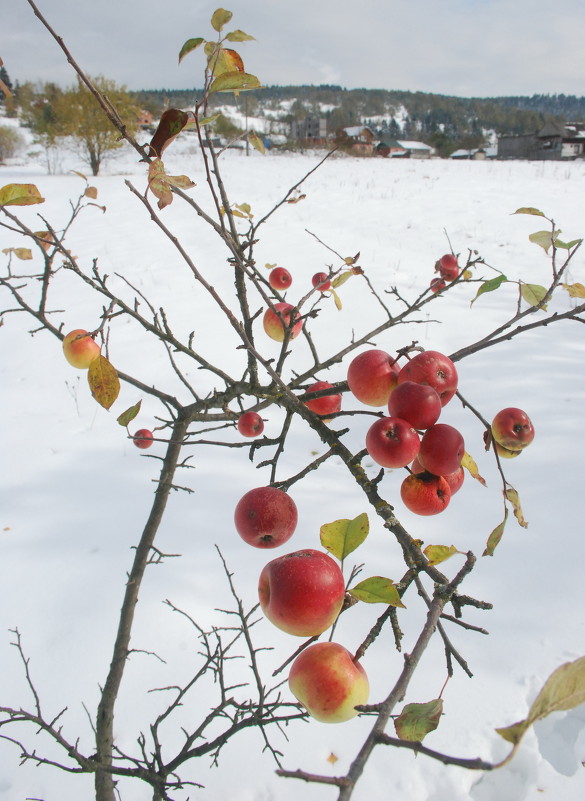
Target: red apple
x: 455, y: 480
x: 80, y: 349
x: 437, y: 285
x: 433, y: 368
x: 274, y: 319
x: 372, y: 376
x: 512, y: 429
x: 441, y: 449
x: 265, y: 517
x: 250, y: 424
x: 326, y: 405
x: 418, y: 404
x: 328, y: 682
x: 143, y: 438
x: 279, y: 278
x: 425, y: 493
x: 392, y: 442
x: 448, y: 267
x: 302, y: 592
x: 321, y: 282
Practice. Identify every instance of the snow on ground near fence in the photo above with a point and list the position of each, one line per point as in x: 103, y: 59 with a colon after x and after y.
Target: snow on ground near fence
x: 75, y: 491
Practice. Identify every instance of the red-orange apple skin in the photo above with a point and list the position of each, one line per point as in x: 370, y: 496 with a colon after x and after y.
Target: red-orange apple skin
x: 273, y: 324
x: 455, y: 480
x: 441, y: 449
x: 80, y: 349
x: 328, y: 683
x: 425, y: 493
x: 448, y: 267
x: 321, y: 282
x: 418, y: 404
x: 250, y: 424
x: 328, y: 404
x: 302, y: 592
x: 392, y: 442
x: 513, y: 429
x: 265, y: 517
x: 372, y: 375
x: 280, y: 278
x: 435, y: 369
x: 437, y: 285
x: 143, y: 438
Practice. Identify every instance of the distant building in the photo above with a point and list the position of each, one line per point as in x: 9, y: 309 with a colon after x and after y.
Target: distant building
x: 312, y: 130
x: 359, y: 139
x: 553, y: 142
x: 404, y: 149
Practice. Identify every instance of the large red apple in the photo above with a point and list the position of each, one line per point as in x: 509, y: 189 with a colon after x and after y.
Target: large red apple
x: 328, y: 682
x: 392, y: 442
x: 302, y: 592
x: 326, y: 405
x: 372, y: 376
x: 280, y: 320
x: 279, y: 278
x: 425, y: 493
x: 265, y: 517
x: 80, y: 349
x: 418, y: 404
x: 448, y: 267
x: 441, y: 449
x: 432, y: 368
x: 513, y: 429
x: 250, y: 424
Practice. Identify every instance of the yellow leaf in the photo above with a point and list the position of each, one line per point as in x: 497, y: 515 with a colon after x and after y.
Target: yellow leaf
x: 219, y: 18
x: 103, y: 381
x: 469, y: 463
x: 514, y: 499
x: 575, y: 290
x: 256, y: 142
x: 439, y: 553
x: 343, y: 536
x: 20, y: 195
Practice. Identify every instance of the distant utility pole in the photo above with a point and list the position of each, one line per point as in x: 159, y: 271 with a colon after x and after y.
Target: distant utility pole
x: 246, y: 115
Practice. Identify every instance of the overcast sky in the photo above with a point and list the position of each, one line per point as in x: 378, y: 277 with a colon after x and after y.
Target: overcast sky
x: 478, y: 48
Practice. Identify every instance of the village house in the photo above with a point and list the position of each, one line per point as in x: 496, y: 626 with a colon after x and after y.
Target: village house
x: 312, y: 130
x: 360, y: 139
x: 554, y: 141
x: 404, y: 149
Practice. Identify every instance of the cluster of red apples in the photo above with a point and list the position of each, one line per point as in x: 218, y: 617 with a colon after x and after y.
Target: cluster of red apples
x: 278, y: 320
x: 81, y: 350
x: 448, y: 268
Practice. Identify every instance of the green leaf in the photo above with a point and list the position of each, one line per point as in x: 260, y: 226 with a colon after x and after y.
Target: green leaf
x: 439, y: 553
x: 126, y: 417
x: 533, y: 294
x: 103, y: 381
x: 530, y: 210
x: 342, y: 537
x: 20, y: 195
x: 489, y: 286
x: 567, y: 245
x: 563, y: 690
x: 189, y: 46
x: 417, y: 720
x: 495, y: 537
x: 219, y: 18
x: 206, y: 120
x: 234, y: 81
x: 377, y: 590
x: 238, y: 36
x: 546, y: 239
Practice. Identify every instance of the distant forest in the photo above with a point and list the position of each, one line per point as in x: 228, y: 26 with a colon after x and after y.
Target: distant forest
x: 443, y: 121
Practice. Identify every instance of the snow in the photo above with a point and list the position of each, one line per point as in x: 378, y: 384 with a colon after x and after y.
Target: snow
x: 75, y: 491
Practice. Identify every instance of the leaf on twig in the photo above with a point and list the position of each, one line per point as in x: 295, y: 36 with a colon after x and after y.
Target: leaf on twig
x: 567, y: 245
x: 24, y: 254
x: 496, y: 535
x: 91, y: 191
x: 126, y: 417
x: 417, y: 720
x: 337, y: 300
x: 103, y: 381
x: 343, y: 536
x: 530, y: 210
x: 489, y: 286
x: 439, y: 553
x: 20, y: 195
x: 189, y: 46
x: 219, y: 18
x: 234, y: 82
x: 563, y: 690
x: 533, y: 294
x: 238, y: 36
x: 44, y: 239
x: 377, y: 590
x: 160, y: 183
x: 296, y: 199
x: 512, y: 495
x: 545, y: 239
x: 469, y: 463
x: 256, y: 142
x: 172, y: 122
x: 575, y: 290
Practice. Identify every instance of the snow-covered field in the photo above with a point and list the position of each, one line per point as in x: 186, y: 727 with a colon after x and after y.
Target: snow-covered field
x: 75, y: 491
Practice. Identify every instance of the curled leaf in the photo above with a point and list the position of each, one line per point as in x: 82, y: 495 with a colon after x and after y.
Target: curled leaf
x: 343, y: 536
x: 256, y: 142
x: 575, y: 290
x: 512, y: 495
x: 495, y: 537
x: 126, y: 417
x: 439, y: 553
x: 189, y: 46
x: 469, y: 463
x: 417, y: 720
x: 529, y: 210
x: 171, y: 123
x: 160, y: 183
x: 103, y: 381
x: 377, y: 590
x: 489, y: 286
x: 91, y: 191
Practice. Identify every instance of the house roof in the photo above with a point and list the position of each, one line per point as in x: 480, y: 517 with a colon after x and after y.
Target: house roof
x: 409, y: 144
x: 356, y: 130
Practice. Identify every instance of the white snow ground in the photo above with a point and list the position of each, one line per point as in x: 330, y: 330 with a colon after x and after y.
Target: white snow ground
x: 75, y: 491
